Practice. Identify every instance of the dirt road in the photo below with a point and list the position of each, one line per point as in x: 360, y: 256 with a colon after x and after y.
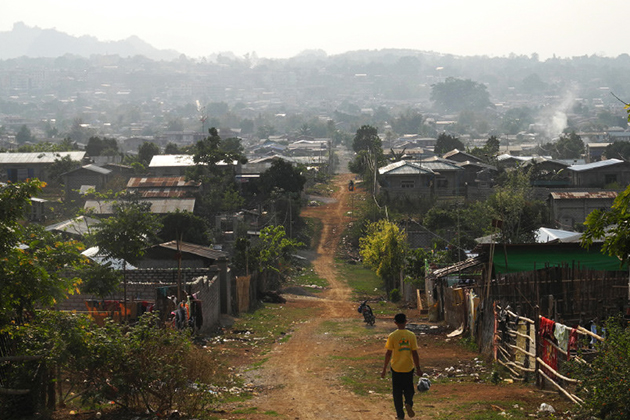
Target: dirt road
x: 304, y: 382
x: 301, y: 375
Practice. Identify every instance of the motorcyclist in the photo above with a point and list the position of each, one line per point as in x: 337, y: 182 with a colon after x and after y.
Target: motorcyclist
x: 366, y: 310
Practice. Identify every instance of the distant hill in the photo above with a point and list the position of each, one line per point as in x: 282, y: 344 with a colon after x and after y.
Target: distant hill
x: 35, y: 42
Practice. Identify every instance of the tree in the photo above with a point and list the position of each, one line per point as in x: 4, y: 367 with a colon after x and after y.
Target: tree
x: 275, y: 253
x: 618, y: 150
x: 282, y: 175
x: 60, y: 167
x: 445, y: 143
x: 409, y: 122
x: 146, y: 151
x: 101, y: 147
x: 185, y: 226
x: 24, y: 135
x: 171, y: 149
x: 232, y: 200
x: 514, y: 206
x: 100, y: 280
x: 232, y: 145
x: 366, y: 138
x: 490, y: 149
x: 456, y: 95
x: 368, y: 146
x: 569, y: 146
x: 126, y: 235
x: 612, y: 226
x: 35, y: 265
x: 492, y: 145
x: 209, y: 153
x: 383, y: 249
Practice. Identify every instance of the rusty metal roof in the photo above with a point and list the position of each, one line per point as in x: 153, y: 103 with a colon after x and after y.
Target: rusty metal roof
x: 161, y: 182
x: 583, y: 195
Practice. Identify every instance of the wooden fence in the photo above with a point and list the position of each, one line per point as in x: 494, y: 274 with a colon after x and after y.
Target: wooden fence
x: 526, y: 348
x: 566, y: 293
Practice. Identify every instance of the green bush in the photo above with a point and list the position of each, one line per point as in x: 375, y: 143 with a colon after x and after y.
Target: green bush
x: 394, y: 295
x: 142, y: 368
x: 605, y: 386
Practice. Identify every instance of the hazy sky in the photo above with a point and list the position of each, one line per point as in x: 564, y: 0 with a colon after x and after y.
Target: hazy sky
x: 282, y: 28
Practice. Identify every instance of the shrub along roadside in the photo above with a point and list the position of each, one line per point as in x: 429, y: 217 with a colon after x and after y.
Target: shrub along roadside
x: 605, y: 386
x: 139, y: 368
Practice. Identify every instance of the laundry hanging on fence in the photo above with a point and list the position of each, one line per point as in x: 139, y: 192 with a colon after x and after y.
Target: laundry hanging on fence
x: 561, y: 332
x: 546, y: 327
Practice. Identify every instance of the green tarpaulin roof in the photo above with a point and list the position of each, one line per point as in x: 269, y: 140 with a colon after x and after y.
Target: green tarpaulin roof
x: 528, y: 257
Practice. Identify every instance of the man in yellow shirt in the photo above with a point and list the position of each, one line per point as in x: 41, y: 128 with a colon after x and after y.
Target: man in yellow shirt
x: 402, y: 351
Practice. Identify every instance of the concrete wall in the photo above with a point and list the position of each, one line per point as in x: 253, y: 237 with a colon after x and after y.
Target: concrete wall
x: 208, y: 291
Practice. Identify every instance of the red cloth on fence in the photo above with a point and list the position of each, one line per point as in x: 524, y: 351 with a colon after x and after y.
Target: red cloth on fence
x: 549, y: 355
x: 546, y: 327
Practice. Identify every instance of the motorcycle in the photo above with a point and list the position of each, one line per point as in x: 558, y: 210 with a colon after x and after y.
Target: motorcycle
x: 368, y: 315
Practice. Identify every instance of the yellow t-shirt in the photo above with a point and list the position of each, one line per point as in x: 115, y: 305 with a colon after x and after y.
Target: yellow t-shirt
x: 402, y: 343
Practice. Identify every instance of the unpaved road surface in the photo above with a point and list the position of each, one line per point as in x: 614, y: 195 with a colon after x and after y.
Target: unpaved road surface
x: 301, y: 375
x: 306, y: 384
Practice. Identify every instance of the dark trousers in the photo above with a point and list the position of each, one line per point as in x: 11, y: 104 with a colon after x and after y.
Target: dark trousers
x: 402, y: 385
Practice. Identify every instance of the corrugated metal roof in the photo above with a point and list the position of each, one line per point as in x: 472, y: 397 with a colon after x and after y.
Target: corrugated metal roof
x: 165, y: 193
x: 583, y: 195
x: 506, y: 156
x: 43, y: 157
x: 200, y: 250
x: 168, y: 161
x: 595, y: 165
x: 404, y: 167
x: 95, y: 255
x: 476, y: 164
x: 78, y: 226
x: 171, y: 160
x: 161, y: 182
x: 440, y: 166
x: 98, y: 169
x: 462, y: 265
x: 158, y: 206
x: 271, y: 159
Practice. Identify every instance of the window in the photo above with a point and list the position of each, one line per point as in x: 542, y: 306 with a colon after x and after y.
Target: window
x: 407, y: 184
x: 441, y: 183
